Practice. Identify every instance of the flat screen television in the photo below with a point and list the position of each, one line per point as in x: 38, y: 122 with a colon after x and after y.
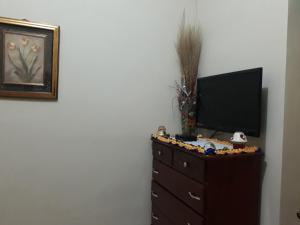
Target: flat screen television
x: 230, y: 102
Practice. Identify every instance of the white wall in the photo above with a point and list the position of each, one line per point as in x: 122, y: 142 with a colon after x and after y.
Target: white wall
x: 245, y: 34
x: 86, y: 159
x: 290, y: 199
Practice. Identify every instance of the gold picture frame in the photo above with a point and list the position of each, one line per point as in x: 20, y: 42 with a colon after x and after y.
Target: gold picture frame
x: 30, y: 59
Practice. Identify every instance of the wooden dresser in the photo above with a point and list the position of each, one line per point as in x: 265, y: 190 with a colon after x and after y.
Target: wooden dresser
x: 194, y: 189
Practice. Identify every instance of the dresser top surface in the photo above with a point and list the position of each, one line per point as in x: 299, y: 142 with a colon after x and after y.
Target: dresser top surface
x: 174, y: 147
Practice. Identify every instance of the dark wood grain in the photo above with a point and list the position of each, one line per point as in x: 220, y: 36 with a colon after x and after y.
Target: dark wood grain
x: 177, y: 212
x: 189, y: 165
x: 158, y: 218
x: 179, y: 185
x: 234, y: 191
x: 162, y: 153
x: 229, y: 184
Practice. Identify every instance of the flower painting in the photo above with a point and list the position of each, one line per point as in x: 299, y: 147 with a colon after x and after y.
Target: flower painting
x: 23, y: 59
x: 29, y: 58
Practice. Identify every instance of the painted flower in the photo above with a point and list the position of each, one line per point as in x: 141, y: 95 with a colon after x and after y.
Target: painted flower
x: 35, y: 48
x: 11, y: 46
x: 24, y: 41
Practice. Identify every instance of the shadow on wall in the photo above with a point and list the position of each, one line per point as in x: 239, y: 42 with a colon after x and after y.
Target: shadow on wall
x: 262, y: 142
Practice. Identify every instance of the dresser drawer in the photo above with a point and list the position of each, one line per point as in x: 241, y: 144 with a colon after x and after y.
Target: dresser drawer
x: 162, y: 153
x: 177, y: 212
x: 189, y: 165
x: 158, y: 218
x: 187, y: 190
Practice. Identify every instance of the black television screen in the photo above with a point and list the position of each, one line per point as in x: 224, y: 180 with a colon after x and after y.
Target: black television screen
x: 230, y: 102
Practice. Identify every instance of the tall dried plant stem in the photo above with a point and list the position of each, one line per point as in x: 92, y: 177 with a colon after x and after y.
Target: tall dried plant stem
x: 189, y: 49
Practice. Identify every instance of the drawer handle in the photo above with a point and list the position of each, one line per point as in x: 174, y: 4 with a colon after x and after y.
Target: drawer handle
x: 185, y: 164
x: 155, y: 171
x: 155, y: 217
x: 154, y: 194
x: 194, y: 196
x: 159, y: 152
x: 298, y: 214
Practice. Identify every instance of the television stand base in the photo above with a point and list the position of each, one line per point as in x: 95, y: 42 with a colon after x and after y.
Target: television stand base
x: 182, y: 137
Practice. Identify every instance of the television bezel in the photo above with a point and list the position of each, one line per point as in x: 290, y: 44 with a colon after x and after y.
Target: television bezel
x: 255, y: 133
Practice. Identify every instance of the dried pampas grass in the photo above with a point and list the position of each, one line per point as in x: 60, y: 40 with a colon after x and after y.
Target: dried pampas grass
x: 188, y: 49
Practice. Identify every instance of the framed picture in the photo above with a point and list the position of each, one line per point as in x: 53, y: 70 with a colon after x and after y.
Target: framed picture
x: 29, y: 59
